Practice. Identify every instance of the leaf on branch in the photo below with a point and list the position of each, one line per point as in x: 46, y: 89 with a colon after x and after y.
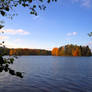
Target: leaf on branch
x: 1, y: 26
x: 90, y: 34
x: 48, y: 1
x: 2, y: 13
x: 7, y: 8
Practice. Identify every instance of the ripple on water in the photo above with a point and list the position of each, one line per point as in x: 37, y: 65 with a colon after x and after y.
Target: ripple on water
x: 55, y: 75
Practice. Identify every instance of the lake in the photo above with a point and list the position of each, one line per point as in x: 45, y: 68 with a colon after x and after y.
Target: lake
x: 49, y: 74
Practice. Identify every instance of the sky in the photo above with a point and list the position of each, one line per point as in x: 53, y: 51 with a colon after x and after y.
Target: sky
x: 63, y: 22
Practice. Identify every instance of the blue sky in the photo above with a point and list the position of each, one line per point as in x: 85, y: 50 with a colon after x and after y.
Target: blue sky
x: 64, y: 22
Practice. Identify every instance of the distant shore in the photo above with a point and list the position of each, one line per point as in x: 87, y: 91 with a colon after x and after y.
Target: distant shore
x: 67, y: 50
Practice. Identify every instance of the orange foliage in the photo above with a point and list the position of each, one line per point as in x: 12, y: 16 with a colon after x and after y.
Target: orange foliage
x: 75, y: 52
x: 55, y: 52
x: 11, y: 52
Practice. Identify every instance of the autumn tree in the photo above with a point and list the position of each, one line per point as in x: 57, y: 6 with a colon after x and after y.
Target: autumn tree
x: 55, y: 52
x: 61, y: 51
x: 76, y: 52
x: 72, y: 50
x: 68, y: 50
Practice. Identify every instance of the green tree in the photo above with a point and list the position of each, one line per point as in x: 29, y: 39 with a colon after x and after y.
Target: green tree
x: 88, y: 51
x: 61, y: 51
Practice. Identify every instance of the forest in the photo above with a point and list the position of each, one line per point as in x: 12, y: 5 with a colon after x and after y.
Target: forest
x: 72, y: 50
x: 25, y: 51
x: 67, y: 50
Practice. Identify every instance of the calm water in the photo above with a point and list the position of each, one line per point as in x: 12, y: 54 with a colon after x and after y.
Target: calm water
x: 49, y: 74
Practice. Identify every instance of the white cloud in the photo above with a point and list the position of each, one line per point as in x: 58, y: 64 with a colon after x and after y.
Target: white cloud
x: 72, y: 34
x: 90, y: 43
x: 15, y: 32
x: 85, y: 3
x: 3, y: 37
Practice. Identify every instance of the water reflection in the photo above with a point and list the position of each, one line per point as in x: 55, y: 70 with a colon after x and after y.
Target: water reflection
x: 49, y: 74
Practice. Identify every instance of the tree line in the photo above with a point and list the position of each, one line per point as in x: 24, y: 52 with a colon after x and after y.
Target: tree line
x: 20, y: 51
x: 67, y: 50
x: 72, y: 50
